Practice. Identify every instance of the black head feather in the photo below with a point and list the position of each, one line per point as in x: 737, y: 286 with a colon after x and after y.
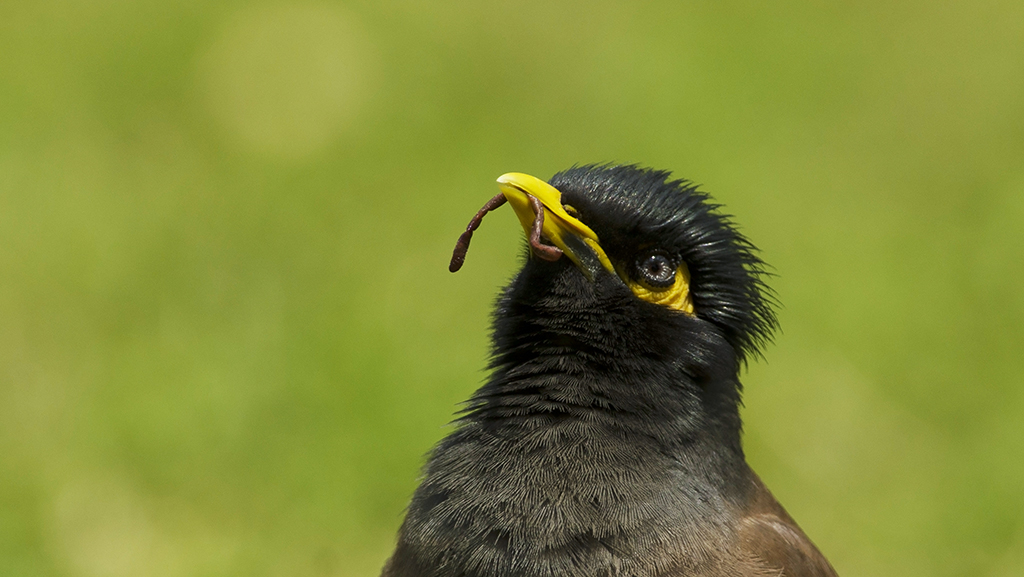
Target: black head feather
x: 632, y: 208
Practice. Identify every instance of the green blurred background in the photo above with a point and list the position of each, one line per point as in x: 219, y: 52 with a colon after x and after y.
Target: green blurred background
x: 227, y: 331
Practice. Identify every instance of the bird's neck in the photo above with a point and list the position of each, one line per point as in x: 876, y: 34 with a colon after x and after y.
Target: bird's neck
x: 558, y: 360
x: 678, y: 413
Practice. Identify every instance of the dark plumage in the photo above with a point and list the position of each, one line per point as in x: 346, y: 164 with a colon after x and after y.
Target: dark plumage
x: 607, y: 438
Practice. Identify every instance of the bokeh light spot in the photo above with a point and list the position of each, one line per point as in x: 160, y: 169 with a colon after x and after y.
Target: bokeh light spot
x: 287, y: 80
x: 103, y: 529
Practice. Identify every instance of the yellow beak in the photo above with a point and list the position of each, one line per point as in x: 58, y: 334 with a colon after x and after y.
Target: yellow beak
x: 565, y: 231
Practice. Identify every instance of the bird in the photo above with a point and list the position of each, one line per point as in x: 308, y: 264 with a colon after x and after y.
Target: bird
x: 606, y: 440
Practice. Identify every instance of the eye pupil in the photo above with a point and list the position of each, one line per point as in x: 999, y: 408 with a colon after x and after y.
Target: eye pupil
x: 657, y: 270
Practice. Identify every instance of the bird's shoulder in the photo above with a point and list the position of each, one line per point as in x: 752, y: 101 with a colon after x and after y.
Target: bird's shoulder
x: 772, y: 542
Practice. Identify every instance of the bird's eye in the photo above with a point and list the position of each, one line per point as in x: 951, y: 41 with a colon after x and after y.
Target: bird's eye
x: 656, y: 269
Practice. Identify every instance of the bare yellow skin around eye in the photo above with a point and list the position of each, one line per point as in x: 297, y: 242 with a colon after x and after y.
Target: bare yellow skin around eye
x: 676, y: 297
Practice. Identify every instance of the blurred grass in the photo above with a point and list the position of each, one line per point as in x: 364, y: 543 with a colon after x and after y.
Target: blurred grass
x: 228, y: 335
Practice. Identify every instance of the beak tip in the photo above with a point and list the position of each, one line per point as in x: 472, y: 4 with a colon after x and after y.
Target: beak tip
x: 507, y: 178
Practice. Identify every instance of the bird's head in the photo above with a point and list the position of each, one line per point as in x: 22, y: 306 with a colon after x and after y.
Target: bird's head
x: 647, y: 263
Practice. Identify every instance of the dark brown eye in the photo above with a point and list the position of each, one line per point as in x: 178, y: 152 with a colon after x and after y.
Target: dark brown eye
x: 656, y: 269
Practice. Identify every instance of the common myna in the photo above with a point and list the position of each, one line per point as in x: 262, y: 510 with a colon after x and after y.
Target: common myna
x: 606, y: 441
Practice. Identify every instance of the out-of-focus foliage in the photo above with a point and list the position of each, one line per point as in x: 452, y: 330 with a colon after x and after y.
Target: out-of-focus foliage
x: 227, y: 331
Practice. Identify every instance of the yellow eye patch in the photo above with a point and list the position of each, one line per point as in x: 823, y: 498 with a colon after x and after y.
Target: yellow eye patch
x: 676, y: 297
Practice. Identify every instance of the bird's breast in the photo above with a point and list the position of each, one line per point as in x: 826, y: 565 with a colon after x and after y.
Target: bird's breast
x: 563, y: 497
